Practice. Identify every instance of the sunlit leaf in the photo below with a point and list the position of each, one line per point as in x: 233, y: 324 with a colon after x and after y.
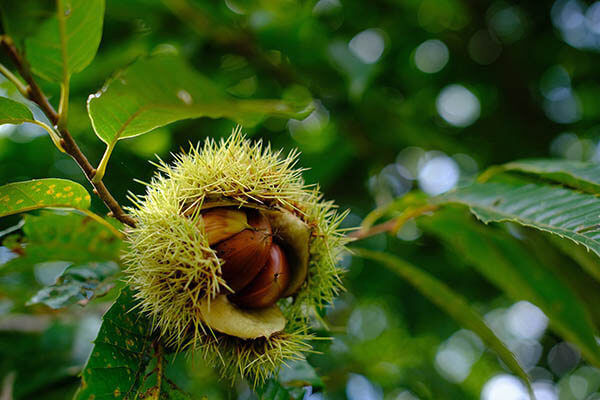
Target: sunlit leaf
x: 13, y: 112
x: 159, y: 90
x: 557, y: 210
x: 451, y: 302
x: 577, y: 174
x: 42, y: 193
x: 77, y: 284
x: 511, y: 267
x: 67, y: 42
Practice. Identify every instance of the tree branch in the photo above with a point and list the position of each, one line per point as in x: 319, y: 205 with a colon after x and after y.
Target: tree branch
x: 35, y: 94
x: 393, y: 225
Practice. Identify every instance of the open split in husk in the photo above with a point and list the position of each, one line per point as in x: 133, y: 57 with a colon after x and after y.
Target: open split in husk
x: 225, y: 317
x: 293, y: 235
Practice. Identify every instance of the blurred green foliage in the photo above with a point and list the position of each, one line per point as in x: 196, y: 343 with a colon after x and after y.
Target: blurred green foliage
x: 408, y: 94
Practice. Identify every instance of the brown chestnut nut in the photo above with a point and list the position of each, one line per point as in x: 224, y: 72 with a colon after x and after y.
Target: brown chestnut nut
x: 222, y: 223
x: 269, y: 285
x: 247, y: 252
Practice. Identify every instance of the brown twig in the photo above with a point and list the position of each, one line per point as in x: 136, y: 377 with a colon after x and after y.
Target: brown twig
x: 393, y: 225
x: 35, y: 94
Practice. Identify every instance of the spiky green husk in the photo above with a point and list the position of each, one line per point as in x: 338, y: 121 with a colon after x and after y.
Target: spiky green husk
x: 172, y: 267
x: 255, y: 360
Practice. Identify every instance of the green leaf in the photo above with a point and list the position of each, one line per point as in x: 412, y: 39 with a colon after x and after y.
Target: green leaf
x: 300, y: 373
x: 30, y: 195
x: 577, y: 174
x: 563, y: 212
x: 78, y: 284
x: 291, y: 382
x: 586, y: 259
x: 451, y: 302
x: 13, y: 112
x: 126, y: 360
x: 50, y: 237
x: 67, y: 42
x: 171, y: 392
x: 159, y: 90
x: 506, y: 262
x: 273, y: 390
x: 42, y: 358
x: 21, y: 19
x: 122, y: 351
x: 63, y: 237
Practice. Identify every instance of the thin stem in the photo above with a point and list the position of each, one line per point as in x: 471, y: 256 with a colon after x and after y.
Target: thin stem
x: 63, y: 106
x: 393, y: 225
x: 488, y: 173
x: 158, y: 352
x: 34, y: 93
x: 103, y: 222
x: 67, y: 142
x: 101, y: 170
x: 53, y: 135
x: 13, y: 78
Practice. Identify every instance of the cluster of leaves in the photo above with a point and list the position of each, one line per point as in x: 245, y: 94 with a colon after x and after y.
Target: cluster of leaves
x: 158, y: 89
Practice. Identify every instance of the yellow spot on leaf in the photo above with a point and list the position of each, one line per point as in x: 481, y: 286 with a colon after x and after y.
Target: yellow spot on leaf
x: 19, y: 201
x: 49, y: 191
x: 67, y: 188
x: 58, y: 195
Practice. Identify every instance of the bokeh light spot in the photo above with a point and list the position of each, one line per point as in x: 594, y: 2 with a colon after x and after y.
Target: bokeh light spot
x: 360, y: 388
x: 367, y: 322
x: 458, y: 106
x: 562, y: 358
x: 525, y: 320
x: 431, y: 56
x: 504, y: 387
x: 438, y: 175
x: 368, y: 46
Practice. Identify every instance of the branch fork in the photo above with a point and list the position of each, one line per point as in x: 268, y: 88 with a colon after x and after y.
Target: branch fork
x: 34, y: 93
